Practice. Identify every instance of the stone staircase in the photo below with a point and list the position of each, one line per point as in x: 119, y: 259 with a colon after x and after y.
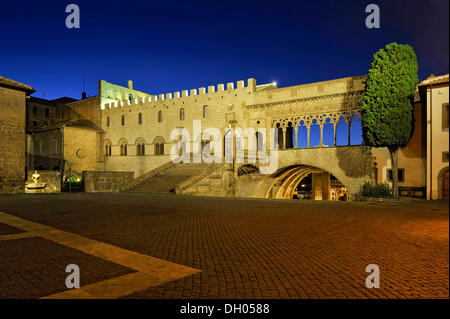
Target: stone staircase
x: 167, y: 180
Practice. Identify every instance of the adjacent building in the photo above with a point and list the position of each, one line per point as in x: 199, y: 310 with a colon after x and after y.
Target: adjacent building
x: 13, y: 96
x: 434, y: 93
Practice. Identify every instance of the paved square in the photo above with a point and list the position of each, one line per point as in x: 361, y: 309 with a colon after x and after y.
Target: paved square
x: 232, y: 248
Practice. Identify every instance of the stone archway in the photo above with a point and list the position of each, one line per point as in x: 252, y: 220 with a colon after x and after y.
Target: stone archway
x: 350, y: 165
x: 286, y: 180
x: 443, y: 183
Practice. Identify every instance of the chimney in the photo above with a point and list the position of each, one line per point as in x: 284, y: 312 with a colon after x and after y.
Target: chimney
x: 130, y: 84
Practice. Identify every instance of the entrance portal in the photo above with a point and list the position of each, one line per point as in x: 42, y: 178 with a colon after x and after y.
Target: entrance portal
x: 445, y: 185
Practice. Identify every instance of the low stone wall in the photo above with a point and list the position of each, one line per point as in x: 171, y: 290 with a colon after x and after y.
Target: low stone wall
x: 100, y: 181
x: 51, y: 179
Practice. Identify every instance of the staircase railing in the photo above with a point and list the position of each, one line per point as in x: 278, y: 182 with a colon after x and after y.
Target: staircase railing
x: 151, y: 173
x: 196, y: 178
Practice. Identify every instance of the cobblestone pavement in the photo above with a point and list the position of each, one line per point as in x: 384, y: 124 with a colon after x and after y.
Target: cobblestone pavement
x: 254, y: 248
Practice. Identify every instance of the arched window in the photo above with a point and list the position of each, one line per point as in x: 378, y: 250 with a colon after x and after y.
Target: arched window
x: 181, y: 114
x: 123, y: 146
x: 107, y: 148
x: 140, y: 147
x: 159, y: 116
x: 158, y: 143
x: 205, y: 111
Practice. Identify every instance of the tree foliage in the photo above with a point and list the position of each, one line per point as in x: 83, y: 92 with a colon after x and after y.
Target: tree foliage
x: 387, y: 107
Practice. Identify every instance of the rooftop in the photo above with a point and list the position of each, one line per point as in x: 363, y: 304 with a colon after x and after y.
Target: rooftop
x: 435, y: 79
x: 5, y: 82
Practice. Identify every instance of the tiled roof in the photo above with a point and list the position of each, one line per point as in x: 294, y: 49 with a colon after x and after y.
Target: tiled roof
x: 433, y: 79
x: 16, y: 85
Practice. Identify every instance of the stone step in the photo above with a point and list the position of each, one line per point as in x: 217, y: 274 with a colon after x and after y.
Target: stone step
x: 167, y: 180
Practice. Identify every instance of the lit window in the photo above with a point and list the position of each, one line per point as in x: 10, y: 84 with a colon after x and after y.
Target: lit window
x: 205, y: 111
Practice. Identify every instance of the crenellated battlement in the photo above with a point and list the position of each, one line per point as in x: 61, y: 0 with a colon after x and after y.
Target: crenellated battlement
x: 184, y: 94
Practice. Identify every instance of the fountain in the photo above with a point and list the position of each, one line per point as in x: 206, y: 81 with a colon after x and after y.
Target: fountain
x: 36, y: 185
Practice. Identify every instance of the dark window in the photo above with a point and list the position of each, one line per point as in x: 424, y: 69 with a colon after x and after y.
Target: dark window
x: 35, y: 110
x: 205, y: 111
x: 47, y: 112
x: 160, y: 116
x: 123, y: 120
x: 140, y: 149
x: 401, y: 175
x: 181, y: 114
x: 445, y: 157
x: 123, y: 149
x: 445, y: 116
x: 159, y: 148
x: 107, y: 121
x: 140, y: 118
x: 34, y: 124
x: 130, y: 97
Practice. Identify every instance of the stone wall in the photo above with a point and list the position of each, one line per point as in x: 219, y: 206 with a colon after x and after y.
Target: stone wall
x: 82, y: 150
x: 99, y: 181
x: 84, y: 109
x: 12, y: 140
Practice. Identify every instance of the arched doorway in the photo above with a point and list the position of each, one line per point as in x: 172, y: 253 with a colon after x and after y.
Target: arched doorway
x: 443, y: 183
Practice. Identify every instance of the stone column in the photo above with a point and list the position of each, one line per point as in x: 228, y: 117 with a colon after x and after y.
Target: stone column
x: 349, y: 122
x: 295, y: 128
x: 321, y: 133
x: 335, y: 128
x: 307, y: 128
x: 321, y: 185
x: 284, y: 138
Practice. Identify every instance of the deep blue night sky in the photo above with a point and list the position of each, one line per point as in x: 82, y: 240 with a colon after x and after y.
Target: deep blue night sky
x: 170, y: 46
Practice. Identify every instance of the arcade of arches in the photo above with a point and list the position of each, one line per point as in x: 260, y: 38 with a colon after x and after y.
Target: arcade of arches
x: 333, y: 129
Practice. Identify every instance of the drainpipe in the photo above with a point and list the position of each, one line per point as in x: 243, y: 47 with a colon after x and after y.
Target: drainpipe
x: 62, y: 157
x: 431, y: 142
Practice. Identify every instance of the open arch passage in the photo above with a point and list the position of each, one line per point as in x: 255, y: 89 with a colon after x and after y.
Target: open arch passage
x: 319, y: 130
x: 305, y: 182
